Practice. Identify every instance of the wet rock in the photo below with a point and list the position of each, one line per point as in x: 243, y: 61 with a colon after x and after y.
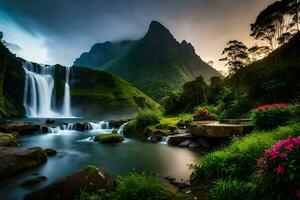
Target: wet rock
x: 117, y: 123
x: 80, y: 126
x: 89, y: 178
x: 49, y: 121
x: 180, y: 185
x: 14, y: 160
x: 22, y: 129
x: 8, y: 140
x: 44, y: 129
x: 34, y: 181
x: 155, y: 138
x: 108, y: 138
x: 185, y: 143
x: 50, y: 152
x: 177, y: 139
x: 194, y: 145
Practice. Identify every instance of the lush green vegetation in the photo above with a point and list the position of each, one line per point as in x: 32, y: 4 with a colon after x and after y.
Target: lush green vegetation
x: 135, y: 186
x: 108, y: 138
x: 235, y: 164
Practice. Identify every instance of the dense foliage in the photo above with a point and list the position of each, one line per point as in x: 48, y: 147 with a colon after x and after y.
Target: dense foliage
x: 270, y: 116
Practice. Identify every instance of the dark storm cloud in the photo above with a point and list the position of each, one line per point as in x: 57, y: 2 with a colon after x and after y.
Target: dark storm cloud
x: 72, y: 26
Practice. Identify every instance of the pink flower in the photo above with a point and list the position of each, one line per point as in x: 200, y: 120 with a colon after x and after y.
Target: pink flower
x: 290, y: 147
x: 279, y: 170
x: 283, y: 155
x: 298, y: 193
x: 260, y: 161
x: 267, y: 166
x: 260, y: 173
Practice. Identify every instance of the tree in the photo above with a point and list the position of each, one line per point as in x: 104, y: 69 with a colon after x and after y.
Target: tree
x: 171, y: 102
x: 273, y: 22
x: 236, y: 58
x: 214, y: 89
x: 1, y: 35
x: 258, y: 52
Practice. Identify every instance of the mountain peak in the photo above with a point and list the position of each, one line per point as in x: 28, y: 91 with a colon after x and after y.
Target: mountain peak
x: 157, y: 29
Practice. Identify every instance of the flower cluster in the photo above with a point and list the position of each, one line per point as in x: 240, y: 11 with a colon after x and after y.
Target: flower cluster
x: 280, y: 165
x: 270, y: 106
x: 203, y: 114
x: 270, y: 116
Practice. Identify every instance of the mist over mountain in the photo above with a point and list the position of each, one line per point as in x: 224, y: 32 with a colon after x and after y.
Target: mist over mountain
x: 156, y: 64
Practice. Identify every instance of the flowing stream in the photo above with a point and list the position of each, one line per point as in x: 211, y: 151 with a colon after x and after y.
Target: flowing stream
x: 77, y: 149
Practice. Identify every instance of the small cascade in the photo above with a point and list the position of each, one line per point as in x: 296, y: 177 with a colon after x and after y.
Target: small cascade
x: 98, y: 126
x: 121, y: 129
x: 164, y: 140
x: 71, y: 127
x: 54, y: 129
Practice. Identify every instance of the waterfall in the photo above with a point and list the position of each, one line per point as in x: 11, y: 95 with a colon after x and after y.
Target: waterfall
x: 38, y: 91
x: 39, y: 101
x: 121, y: 129
x: 67, y: 98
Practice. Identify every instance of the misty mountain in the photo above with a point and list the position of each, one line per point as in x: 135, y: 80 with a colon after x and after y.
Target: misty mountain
x: 157, y: 63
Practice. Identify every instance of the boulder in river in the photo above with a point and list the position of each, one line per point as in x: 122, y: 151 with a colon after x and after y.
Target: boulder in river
x: 50, y: 121
x: 7, y: 139
x: 14, y: 160
x: 90, y: 179
x: 109, y: 138
x: 179, y: 138
x: 50, y: 152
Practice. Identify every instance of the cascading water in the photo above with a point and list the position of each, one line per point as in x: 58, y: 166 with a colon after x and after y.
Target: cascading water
x: 67, y: 98
x: 38, y: 92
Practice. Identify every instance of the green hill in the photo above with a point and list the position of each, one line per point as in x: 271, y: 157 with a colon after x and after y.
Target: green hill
x: 275, y: 78
x: 158, y: 63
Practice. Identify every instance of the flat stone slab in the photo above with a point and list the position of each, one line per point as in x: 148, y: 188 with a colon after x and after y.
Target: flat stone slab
x: 219, y: 130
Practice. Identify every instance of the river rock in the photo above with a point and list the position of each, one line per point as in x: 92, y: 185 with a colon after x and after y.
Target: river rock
x: 7, y: 139
x: 185, y: 143
x: 22, y: 129
x: 175, y: 140
x: 50, y: 121
x: 194, y: 145
x: 80, y: 126
x: 14, y: 160
x: 50, y: 152
x: 34, y: 181
x: 117, y: 123
x: 89, y: 178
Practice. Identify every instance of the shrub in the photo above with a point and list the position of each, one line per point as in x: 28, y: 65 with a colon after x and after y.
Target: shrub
x: 145, y: 118
x: 108, y: 138
x: 279, y: 169
x: 230, y: 189
x: 203, y: 114
x: 267, y: 117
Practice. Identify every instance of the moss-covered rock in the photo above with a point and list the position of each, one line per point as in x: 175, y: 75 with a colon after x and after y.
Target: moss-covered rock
x: 108, y: 138
x: 7, y: 139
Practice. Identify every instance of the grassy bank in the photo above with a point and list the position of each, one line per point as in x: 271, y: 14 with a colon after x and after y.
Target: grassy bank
x: 232, y: 169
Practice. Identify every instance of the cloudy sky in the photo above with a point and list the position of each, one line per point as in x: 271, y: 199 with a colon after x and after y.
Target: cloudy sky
x: 58, y: 31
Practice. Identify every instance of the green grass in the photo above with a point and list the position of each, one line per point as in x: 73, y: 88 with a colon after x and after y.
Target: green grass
x: 238, y: 160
